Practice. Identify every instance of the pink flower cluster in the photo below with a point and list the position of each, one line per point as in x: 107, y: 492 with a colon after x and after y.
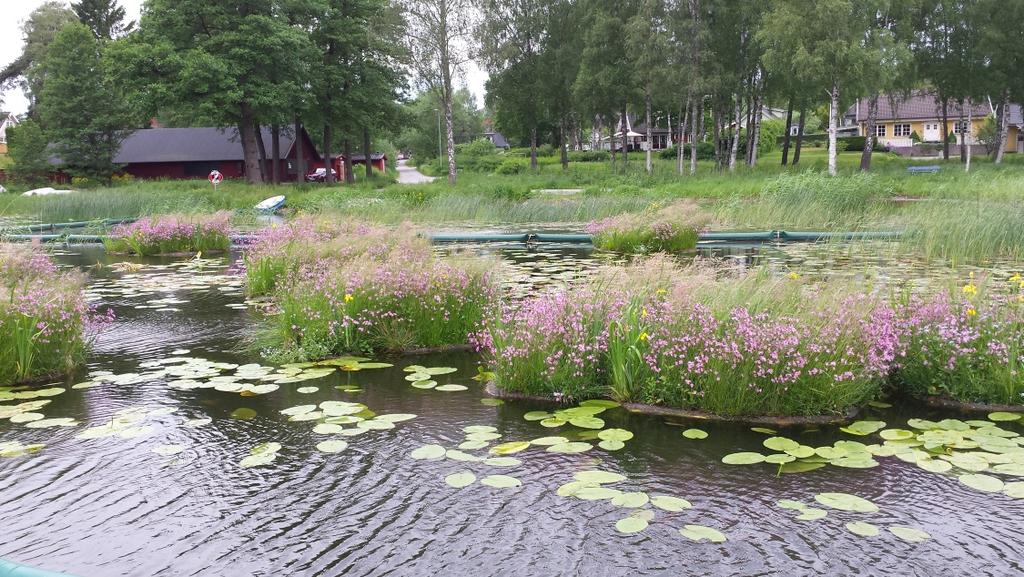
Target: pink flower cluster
x: 175, y: 226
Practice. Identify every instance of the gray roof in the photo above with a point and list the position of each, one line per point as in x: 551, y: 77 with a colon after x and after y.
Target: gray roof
x: 497, y: 139
x: 921, y: 105
x: 374, y: 156
x: 191, y: 145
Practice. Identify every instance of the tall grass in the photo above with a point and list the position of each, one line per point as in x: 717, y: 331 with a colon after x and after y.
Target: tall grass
x: 42, y: 316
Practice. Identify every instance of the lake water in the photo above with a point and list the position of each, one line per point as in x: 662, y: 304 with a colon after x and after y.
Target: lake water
x: 112, y: 506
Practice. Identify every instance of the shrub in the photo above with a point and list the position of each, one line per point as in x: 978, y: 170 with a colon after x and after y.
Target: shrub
x: 670, y: 229
x: 43, y: 316
x: 589, y: 156
x: 705, y: 151
x: 511, y: 166
x: 172, y: 234
x: 915, y: 137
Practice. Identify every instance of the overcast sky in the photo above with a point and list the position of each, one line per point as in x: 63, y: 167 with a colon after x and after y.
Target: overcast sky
x: 15, y: 12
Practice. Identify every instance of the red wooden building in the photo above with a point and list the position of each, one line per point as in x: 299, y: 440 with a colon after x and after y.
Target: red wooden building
x: 378, y: 160
x: 180, y: 153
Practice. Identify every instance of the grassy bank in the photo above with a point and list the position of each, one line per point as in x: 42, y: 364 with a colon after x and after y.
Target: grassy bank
x: 42, y: 316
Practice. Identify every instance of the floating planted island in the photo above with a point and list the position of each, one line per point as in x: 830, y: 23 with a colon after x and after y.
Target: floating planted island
x: 172, y: 234
x: 671, y: 229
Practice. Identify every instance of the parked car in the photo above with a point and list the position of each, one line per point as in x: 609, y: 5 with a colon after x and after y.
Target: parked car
x: 320, y: 175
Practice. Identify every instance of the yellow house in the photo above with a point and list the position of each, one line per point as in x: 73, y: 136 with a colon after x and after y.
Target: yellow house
x: 920, y: 115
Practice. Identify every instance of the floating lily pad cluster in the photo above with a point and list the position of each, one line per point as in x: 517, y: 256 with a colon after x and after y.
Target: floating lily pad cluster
x: 590, y: 485
x: 583, y: 416
x: 423, y: 378
x: 16, y: 449
x: 980, y: 452
x: 851, y: 504
x: 127, y: 423
x: 161, y: 280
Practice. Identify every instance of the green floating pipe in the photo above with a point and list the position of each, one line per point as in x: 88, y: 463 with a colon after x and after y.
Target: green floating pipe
x: 744, y: 236
x: 12, y: 569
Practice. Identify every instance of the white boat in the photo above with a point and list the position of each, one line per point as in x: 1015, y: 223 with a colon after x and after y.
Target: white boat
x: 271, y: 204
x: 45, y: 191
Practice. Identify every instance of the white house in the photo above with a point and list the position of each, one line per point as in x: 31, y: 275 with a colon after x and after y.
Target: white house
x: 6, y: 120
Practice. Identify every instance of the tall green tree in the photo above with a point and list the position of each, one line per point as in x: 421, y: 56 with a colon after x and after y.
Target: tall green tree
x: 83, y: 109
x: 233, y: 62
x: 38, y: 32
x: 27, y: 147
x: 106, y: 18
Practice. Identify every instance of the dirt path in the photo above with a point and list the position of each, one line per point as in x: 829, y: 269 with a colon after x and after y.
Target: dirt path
x: 409, y: 175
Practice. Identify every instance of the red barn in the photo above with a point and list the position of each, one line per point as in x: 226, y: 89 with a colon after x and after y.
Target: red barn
x: 193, y: 152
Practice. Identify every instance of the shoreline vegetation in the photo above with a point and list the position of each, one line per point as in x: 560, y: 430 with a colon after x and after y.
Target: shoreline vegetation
x: 43, y: 317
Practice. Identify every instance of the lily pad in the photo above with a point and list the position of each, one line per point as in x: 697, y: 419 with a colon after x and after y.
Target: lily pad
x: 258, y: 459
x: 472, y: 445
x: 425, y: 384
x: 982, y: 482
x: 896, y: 434
x: 460, y: 480
x: 779, y: 459
x: 863, y: 427
x: 571, y: 447
x: 548, y: 441
x: 243, y: 413
x: 670, y: 503
x: 537, y: 415
x: 598, y: 477
x: 780, y: 444
x: 479, y: 429
x: 552, y: 422
x: 611, y: 445
x: 501, y: 481
x: 909, y: 534
x: 615, y: 435
x: 935, y: 465
x: 743, y: 458
x: 861, y: 528
x: 502, y: 461
x: 1014, y: 489
x: 331, y: 446
x: 811, y: 514
x: 428, y: 452
x: 492, y: 402
x: 846, y: 502
x: 451, y: 389
x: 763, y: 430
x: 1003, y: 416
x: 509, y: 448
x: 587, y: 422
x: 327, y: 429
x: 695, y: 434
x: 603, y: 403
x: 700, y: 532
x: 631, y: 500
x: 596, y: 493
x: 630, y: 525
x: 395, y: 417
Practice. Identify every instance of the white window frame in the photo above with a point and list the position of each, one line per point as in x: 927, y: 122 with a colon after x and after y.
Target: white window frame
x: 903, y: 130
x: 880, y: 131
x: 961, y: 127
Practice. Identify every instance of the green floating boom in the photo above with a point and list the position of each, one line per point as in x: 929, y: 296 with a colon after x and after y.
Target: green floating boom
x: 12, y: 569
x: 738, y: 236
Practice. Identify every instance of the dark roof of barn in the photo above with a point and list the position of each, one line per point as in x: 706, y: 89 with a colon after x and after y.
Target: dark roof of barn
x: 497, y: 139
x: 191, y: 145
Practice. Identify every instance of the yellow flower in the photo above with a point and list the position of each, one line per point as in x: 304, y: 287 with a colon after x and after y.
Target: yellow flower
x: 1016, y: 277
x: 349, y: 298
x: 643, y: 336
x: 970, y: 290
x: 643, y: 314
x: 1020, y: 298
x: 792, y: 276
x: 971, y: 312
x: 660, y: 291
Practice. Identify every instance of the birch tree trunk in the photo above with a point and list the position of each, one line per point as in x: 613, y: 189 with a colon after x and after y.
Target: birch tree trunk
x: 945, y: 129
x: 563, y: 150
x: 695, y: 114
x: 1002, y: 125
x: 967, y: 135
x: 755, y: 141
x: 735, y: 143
x: 963, y: 139
x: 869, y: 141
x: 533, y: 148
x: 833, y: 130
x: 625, y: 136
x: 684, y: 110
x: 648, y: 160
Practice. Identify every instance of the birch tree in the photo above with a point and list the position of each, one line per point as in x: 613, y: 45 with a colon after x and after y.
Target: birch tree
x: 440, y: 38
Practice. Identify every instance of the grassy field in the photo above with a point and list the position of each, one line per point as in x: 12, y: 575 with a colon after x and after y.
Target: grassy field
x: 951, y: 214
